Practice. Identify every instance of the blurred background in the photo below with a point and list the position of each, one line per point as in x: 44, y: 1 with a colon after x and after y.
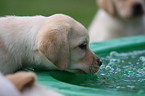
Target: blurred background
x: 81, y: 10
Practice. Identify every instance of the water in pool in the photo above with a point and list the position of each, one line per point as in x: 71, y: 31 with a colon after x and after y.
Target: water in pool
x: 120, y: 71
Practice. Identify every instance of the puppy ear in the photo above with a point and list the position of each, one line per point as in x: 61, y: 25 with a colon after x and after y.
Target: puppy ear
x: 53, y: 44
x: 107, y: 5
x: 22, y: 79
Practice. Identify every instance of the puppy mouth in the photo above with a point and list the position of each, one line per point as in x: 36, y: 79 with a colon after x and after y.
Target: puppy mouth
x: 93, y: 68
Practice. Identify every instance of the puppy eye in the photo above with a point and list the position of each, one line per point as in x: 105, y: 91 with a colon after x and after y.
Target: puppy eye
x: 83, y: 46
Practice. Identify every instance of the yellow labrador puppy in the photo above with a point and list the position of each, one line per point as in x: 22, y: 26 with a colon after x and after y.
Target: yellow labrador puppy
x: 117, y: 18
x: 47, y: 43
x: 23, y: 84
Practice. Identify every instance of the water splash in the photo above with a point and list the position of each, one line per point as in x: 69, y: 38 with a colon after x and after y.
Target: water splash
x: 123, y: 71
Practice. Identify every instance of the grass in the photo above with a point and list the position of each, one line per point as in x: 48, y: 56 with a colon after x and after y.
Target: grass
x: 81, y: 10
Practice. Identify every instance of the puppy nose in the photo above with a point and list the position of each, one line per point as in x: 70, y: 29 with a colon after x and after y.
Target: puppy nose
x: 137, y: 9
x: 99, y: 62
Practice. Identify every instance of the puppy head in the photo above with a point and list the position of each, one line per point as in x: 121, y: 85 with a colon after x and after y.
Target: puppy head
x: 64, y: 42
x: 124, y: 9
x: 82, y: 59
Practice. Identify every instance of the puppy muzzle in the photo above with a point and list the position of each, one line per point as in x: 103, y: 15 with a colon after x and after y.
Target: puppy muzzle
x: 94, y: 67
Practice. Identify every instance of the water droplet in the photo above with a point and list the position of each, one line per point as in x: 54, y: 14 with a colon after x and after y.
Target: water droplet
x: 130, y: 86
x: 142, y: 58
x: 118, y: 87
x: 113, y: 54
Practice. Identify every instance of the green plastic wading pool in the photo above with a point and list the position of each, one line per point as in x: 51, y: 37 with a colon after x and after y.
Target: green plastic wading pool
x: 122, y: 72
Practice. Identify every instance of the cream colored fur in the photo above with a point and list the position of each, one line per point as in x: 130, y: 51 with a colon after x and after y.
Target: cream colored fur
x: 51, y: 43
x: 7, y: 88
x: 114, y: 19
x: 22, y: 84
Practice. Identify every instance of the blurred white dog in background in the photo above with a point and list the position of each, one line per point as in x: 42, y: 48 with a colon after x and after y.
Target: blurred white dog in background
x: 117, y: 18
